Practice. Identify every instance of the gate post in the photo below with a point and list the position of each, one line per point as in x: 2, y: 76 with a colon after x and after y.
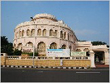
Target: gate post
x: 61, y: 62
x: 106, y: 54
x: 92, y: 59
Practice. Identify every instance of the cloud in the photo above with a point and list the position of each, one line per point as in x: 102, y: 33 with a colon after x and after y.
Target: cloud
x: 85, y: 32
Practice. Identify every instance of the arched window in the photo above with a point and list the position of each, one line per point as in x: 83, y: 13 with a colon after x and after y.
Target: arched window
x: 64, y: 35
x: 55, y: 33
x: 53, y: 46
x: 33, y: 32
x: 86, y: 50
x: 63, y: 46
x: 19, y: 46
x: 68, y: 36
x: 44, y: 32
x: 29, y: 44
x: 51, y: 32
x: 72, y: 38
x: 78, y: 50
x: 41, y: 48
x: 28, y: 32
x: 39, y: 32
x: 61, y: 34
x: 22, y: 33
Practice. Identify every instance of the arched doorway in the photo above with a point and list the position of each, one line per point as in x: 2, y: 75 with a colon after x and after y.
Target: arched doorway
x: 78, y: 50
x: 87, y: 51
x: 53, y: 45
x: 99, y: 58
x: 19, y: 46
x: 41, y: 49
x: 63, y: 46
x: 29, y: 44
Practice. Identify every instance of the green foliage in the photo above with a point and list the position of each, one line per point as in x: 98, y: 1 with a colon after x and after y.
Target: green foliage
x: 98, y: 43
x: 17, y: 52
x: 31, y: 53
x: 4, y: 40
x: 6, y: 46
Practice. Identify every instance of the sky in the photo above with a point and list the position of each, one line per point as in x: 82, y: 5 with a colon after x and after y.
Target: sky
x: 88, y: 19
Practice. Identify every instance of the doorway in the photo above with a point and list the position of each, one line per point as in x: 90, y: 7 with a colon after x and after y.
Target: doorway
x: 99, y: 58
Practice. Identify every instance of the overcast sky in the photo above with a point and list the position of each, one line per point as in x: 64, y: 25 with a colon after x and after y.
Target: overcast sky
x: 89, y: 20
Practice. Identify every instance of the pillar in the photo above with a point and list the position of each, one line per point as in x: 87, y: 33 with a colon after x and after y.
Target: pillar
x: 92, y: 59
x: 3, y: 59
x: 106, y: 54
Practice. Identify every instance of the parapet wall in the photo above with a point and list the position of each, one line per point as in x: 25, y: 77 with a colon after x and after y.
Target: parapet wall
x: 18, y: 61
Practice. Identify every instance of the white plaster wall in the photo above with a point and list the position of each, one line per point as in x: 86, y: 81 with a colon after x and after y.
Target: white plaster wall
x: 44, y: 24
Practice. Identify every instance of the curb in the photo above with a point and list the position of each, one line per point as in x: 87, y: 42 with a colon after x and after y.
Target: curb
x: 13, y: 66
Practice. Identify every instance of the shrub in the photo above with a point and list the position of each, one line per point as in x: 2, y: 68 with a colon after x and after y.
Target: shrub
x: 17, y: 52
x: 31, y: 53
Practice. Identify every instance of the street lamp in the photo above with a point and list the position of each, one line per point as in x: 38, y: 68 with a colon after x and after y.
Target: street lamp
x: 34, y: 43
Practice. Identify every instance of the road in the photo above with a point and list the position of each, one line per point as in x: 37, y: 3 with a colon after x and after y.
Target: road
x: 54, y: 75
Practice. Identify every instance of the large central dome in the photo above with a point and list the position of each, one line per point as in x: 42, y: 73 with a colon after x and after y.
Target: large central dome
x: 45, y: 15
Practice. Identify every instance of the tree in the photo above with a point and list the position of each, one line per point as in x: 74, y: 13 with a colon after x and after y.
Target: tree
x: 31, y: 53
x: 4, y: 40
x: 98, y: 43
x: 17, y: 52
x: 6, y: 46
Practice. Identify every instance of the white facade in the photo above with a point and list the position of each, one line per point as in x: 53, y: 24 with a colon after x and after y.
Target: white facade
x: 88, y: 47
x: 44, y: 32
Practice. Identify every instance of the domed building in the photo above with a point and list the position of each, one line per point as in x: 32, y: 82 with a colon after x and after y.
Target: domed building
x: 43, y: 32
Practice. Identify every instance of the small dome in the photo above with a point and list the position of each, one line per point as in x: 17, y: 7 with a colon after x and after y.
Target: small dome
x: 45, y: 15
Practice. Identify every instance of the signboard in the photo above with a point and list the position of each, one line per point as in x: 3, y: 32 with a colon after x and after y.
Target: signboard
x: 78, y: 53
x: 58, y: 52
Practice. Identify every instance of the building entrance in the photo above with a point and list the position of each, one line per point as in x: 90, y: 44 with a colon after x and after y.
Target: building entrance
x: 99, y: 58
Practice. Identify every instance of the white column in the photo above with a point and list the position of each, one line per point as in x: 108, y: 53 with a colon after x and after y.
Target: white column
x: 106, y: 54
x: 5, y: 54
x: 58, y: 33
x: 92, y: 59
x: 61, y: 62
x: 19, y: 57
